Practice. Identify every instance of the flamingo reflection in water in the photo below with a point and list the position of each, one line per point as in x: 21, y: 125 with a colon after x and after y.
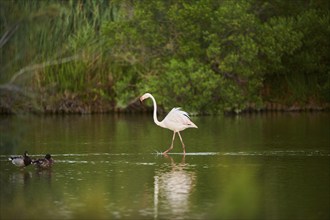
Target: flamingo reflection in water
x: 173, y: 186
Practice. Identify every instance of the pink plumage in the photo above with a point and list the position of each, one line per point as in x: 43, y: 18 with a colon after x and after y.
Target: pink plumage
x: 176, y: 120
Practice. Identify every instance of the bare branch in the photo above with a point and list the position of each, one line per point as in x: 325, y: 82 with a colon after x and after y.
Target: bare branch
x: 7, y: 35
x: 42, y: 65
x: 10, y: 87
x: 235, y: 77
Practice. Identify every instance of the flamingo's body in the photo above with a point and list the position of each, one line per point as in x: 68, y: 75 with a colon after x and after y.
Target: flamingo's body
x: 176, y: 120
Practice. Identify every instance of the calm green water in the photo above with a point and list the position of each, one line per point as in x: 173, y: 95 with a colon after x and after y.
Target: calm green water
x: 267, y: 166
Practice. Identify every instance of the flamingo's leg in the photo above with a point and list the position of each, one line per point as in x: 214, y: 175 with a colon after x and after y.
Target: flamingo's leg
x: 183, y: 146
x: 171, y: 147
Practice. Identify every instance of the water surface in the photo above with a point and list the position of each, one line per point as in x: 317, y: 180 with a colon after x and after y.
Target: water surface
x: 263, y: 166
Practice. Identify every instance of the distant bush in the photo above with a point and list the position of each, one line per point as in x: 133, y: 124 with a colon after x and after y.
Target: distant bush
x: 206, y: 56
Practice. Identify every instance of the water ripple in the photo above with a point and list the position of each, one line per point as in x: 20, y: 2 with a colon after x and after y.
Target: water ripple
x: 278, y: 153
x: 274, y: 153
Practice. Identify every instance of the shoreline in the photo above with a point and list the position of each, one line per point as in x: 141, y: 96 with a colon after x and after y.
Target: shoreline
x: 68, y: 107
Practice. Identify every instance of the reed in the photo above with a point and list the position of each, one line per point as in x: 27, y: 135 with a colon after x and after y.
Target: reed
x: 48, y: 32
x: 115, y: 50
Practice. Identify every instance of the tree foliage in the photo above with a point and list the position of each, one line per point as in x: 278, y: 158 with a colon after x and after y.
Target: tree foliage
x: 206, y: 56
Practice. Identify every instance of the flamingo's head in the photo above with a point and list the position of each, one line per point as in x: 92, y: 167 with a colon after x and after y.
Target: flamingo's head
x: 145, y: 96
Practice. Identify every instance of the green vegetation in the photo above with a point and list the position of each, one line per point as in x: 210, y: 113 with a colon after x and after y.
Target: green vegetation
x: 205, y: 56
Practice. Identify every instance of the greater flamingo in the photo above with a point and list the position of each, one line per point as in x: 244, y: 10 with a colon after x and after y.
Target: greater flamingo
x: 176, y: 120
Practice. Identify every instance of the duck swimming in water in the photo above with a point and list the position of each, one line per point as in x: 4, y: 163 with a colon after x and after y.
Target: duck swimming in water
x: 44, y: 163
x: 21, y: 161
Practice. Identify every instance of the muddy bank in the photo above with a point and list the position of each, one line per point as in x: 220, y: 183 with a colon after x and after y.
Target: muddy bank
x: 15, y: 103
x: 91, y: 106
x: 65, y: 104
x: 275, y: 106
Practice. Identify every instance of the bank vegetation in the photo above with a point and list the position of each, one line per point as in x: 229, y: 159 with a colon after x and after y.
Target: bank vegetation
x: 207, y: 56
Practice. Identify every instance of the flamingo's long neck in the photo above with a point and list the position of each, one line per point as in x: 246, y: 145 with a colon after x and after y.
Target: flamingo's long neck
x: 155, y: 111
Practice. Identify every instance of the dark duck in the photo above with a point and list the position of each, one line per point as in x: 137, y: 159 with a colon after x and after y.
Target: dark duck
x: 21, y: 161
x: 44, y: 163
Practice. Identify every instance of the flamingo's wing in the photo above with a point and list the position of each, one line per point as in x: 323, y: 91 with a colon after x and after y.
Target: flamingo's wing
x: 176, y: 115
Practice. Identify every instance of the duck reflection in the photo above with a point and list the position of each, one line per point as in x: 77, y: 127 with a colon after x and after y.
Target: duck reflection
x: 44, y: 173
x: 173, y: 184
x: 21, y: 178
